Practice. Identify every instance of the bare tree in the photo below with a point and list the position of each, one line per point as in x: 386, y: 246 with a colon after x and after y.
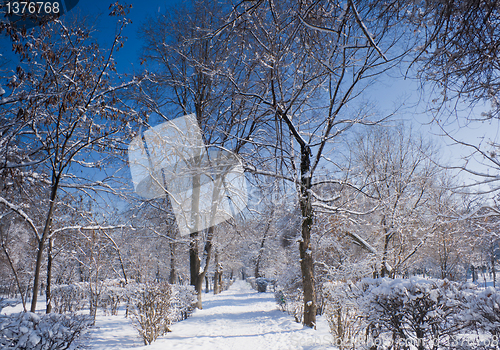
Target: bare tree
x: 307, y: 62
x: 459, y: 54
x: 7, y: 250
x: 185, y: 63
x: 458, y: 59
x: 399, y: 173
x: 66, y: 103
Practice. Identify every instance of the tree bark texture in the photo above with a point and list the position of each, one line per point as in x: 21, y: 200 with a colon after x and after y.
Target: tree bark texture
x: 305, y: 248
x: 48, y: 290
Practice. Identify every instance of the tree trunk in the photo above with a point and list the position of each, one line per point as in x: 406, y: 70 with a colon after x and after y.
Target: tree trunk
x: 199, y: 288
x: 217, y: 274
x: 384, y: 271
x: 41, y: 242
x: 16, y: 277
x: 493, y: 269
x: 201, y: 276
x: 38, y: 267
x: 261, y: 250
x: 173, y: 275
x: 220, y: 278
x: 197, y: 276
x: 48, y: 292
x: 444, y: 261
x: 194, y: 259
x: 305, y: 248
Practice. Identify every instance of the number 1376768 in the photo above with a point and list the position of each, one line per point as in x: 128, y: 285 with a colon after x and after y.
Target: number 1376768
x: 32, y: 7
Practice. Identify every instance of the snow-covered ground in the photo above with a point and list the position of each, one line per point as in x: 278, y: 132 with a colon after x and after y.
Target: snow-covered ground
x: 239, y: 318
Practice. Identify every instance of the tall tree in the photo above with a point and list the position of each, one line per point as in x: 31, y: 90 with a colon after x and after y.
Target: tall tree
x: 308, y: 61
x: 460, y: 49
x: 458, y: 60
x: 64, y: 97
x: 399, y: 172
x: 185, y: 62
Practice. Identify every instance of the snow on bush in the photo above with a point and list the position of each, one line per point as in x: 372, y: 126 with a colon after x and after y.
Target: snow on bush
x: 149, y: 305
x: 417, y: 311
x: 291, y: 301
x: 342, y: 313
x: 280, y: 298
x: 28, y: 331
x: 77, y: 296
x: 413, y: 313
x: 182, y: 302
x: 153, y: 306
x: 226, y: 284
x: 252, y: 282
x: 483, y: 310
x: 111, y: 295
x: 69, y: 298
x: 261, y: 284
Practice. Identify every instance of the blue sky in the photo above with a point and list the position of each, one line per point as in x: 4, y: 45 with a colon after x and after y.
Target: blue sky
x: 392, y: 92
x: 96, y: 12
x: 128, y: 56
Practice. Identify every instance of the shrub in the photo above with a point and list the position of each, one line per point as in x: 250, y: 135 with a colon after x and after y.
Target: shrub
x: 417, y: 311
x: 413, y: 313
x: 483, y: 310
x: 182, y: 302
x: 150, y: 307
x: 28, y: 331
x: 261, y: 284
x: 342, y: 313
x: 5, y: 303
x: 112, y: 294
x: 69, y: 298
x: 251, y: 280
x: 291, y: 301
x: 280, y: 298
x: 226, y: 283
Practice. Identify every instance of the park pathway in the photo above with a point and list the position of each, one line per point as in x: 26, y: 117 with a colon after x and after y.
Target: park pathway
x: 237, y: 319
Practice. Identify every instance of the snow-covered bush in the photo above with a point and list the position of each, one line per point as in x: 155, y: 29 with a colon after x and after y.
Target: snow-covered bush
x: 77, y: 296
x: 342, y: 313
x: 149, y: 305
x: 28, y: 331
x: 291, y: 301
x: 226, y: 283
x: 483, y: 310
x: 109, y: 300
x: 182, y: 302
x: 295, y: 304
x: 111, y: 295
x: 261, y: 284
x: 417, y: 311
x: 280, y: 298
x: 252, y: 282
x: 69, y: 298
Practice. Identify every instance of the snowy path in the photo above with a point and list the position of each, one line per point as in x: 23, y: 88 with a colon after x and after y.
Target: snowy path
x: 239, y: 318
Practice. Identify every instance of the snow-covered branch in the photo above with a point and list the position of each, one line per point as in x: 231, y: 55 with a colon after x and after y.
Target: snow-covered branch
x: 21, y: 213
